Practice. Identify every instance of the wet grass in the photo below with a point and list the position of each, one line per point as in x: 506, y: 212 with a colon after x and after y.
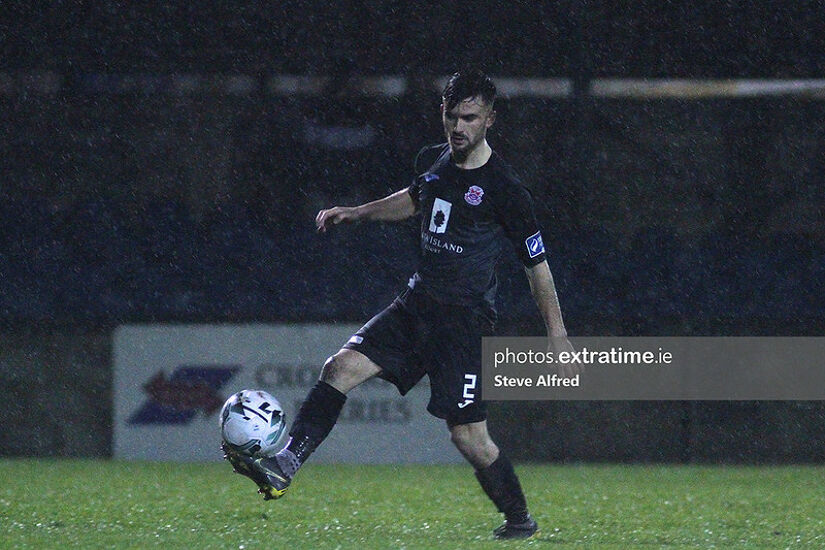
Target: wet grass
x: 106, y: 504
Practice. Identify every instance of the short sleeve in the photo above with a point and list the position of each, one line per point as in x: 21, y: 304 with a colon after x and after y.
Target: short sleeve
x: 517, y: 216
x: 424, y: 161
x: 415, y: 190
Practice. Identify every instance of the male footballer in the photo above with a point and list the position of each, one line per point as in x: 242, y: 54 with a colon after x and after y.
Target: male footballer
x: 471, y: 204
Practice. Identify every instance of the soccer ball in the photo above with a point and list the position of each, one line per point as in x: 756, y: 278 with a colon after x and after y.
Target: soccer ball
x: 252, y: 423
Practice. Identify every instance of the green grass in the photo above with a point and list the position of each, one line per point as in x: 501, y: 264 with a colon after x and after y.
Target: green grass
x: 106, y: 504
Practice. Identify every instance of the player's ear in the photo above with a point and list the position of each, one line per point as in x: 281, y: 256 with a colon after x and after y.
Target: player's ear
x: 491, y: 118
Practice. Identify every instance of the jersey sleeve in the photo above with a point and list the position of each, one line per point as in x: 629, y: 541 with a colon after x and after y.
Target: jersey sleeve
x: 517, y: 216
x: 424, y: 161
x: 415, y: 190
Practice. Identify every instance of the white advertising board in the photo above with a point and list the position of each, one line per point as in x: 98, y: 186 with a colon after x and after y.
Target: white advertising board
x: 170, y: 382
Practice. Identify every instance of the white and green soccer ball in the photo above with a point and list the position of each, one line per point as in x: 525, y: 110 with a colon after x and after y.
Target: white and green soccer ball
x: 252, y: 423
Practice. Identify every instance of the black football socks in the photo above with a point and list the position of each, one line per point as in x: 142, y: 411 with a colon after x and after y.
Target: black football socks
x: 312, y: 425
x: 501, y: 484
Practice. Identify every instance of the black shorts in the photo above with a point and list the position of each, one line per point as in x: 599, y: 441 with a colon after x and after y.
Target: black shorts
x: 416, y: 335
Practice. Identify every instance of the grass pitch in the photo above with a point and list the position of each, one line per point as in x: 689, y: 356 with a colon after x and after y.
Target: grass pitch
x: 105, y: 504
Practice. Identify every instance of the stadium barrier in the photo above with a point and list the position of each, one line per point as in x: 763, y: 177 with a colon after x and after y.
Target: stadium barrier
x: 49, y: 83
x: 56, y: 385
x: 170, y: 382
x: 58, y: 401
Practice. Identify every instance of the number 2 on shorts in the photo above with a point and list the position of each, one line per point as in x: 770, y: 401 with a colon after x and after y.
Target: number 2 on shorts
x: 469, y: 390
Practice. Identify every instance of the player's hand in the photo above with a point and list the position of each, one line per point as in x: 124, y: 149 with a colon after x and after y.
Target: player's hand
x: 333, y: 216
x: 557, y: 345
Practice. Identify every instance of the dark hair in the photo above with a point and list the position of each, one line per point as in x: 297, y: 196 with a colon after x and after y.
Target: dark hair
x: 466, y: 84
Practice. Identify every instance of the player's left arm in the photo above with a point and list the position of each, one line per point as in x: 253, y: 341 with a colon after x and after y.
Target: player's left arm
x: 516, y: 214
x: 543, y: 289
x: 520, y: 224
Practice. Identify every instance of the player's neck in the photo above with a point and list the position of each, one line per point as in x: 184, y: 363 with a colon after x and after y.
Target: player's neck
x: 476, y: 158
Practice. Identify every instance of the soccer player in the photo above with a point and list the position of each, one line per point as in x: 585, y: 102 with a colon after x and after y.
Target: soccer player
x: 471, y: 204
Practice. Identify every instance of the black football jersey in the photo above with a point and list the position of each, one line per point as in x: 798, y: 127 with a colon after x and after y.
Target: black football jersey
x: 467, y: 217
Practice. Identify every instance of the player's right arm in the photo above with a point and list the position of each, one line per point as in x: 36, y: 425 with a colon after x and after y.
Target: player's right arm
x: 392, y: 208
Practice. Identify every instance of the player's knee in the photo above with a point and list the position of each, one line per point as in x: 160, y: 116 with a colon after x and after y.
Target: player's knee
x: 334, y: 369
x: 464, y: 437
x: 474, y: 444
x: 344, y: 371
x: 459, y: 439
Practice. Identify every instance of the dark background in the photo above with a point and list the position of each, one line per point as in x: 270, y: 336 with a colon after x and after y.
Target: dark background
x: 145, y: 202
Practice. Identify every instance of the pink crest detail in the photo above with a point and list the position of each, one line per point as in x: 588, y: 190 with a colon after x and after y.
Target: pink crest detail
x: 474, y: 195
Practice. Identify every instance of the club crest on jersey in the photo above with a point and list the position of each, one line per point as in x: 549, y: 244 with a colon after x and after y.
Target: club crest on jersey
x: 535, y: 245
x: 474, y: 195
